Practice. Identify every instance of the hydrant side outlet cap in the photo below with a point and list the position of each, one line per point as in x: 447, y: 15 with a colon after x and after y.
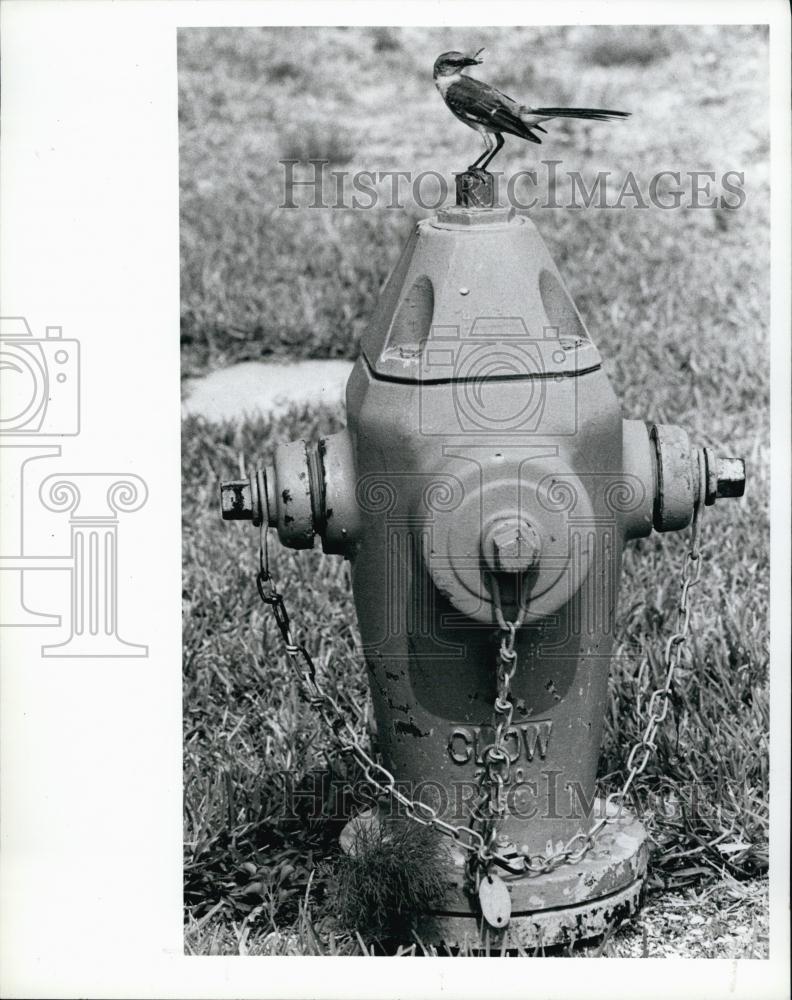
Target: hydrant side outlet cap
x: 677, y: 478
x: 291, y: 489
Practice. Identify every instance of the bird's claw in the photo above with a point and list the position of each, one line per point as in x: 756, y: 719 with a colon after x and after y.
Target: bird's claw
x: 479, y: 172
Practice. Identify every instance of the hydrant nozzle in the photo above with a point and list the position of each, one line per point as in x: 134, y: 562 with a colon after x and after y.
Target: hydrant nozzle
x: 307, y: 491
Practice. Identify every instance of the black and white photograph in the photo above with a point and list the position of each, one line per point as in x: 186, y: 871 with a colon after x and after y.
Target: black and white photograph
x: 394, y: 530
x: 481, y: 672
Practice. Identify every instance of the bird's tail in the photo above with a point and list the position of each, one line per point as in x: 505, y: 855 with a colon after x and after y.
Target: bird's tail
x: 593, y: 114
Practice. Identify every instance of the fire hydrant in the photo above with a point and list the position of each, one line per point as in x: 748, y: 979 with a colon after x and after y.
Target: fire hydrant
x: 483, y: 492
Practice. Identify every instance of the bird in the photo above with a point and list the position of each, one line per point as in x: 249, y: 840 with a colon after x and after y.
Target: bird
x: 492, y: 113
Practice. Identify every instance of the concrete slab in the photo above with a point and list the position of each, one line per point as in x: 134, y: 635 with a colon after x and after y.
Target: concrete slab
x: 265, y: 388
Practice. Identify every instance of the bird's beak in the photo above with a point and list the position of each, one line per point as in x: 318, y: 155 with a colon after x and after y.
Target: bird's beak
x: 474, y: 60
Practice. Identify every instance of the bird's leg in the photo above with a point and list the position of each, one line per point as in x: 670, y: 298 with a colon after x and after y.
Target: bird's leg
x: 475, y: 166
x: 487, y: 149
x: 499, y: 143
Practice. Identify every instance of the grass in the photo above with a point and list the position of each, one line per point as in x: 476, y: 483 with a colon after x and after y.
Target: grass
x: 245, y: 724
x: 641, y: 46
x: 318, y: 139
x: 676, y: 301
x: 725, y: 920
x: 259, y: 280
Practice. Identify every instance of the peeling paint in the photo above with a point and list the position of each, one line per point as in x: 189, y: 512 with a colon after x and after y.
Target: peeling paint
x: 408, y: 729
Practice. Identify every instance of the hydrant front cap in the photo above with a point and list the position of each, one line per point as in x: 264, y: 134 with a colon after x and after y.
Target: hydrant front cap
x: 531, y: 519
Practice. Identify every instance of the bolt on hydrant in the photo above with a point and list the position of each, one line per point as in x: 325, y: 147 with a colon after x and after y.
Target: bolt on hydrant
x: 483, y: 492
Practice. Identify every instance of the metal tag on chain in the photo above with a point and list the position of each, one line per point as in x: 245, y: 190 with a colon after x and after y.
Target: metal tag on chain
x: 495, y: 901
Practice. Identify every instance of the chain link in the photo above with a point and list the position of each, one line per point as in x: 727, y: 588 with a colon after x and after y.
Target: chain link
x: 495, y: 774
x: 380, y: 777
x: 642, y: 751
x: 478, y: 838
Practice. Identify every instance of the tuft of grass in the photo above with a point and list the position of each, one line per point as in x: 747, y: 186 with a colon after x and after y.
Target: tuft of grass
x: 394, y: 870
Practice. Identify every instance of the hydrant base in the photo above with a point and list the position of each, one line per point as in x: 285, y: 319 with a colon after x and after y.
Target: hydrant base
x: 572, y: 902
x: 535, y: 929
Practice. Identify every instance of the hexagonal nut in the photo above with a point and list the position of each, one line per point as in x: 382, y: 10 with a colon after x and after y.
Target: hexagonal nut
x: 730, y: 478
x: 236, y: 500
x: 512, y: 545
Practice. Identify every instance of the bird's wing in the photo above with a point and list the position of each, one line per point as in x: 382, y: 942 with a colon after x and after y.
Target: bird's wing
x: 478, y: 103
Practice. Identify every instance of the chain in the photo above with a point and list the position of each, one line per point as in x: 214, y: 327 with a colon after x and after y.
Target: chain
x: 495, y: 775
x: 641, y: 752
x: 349, y: 744
x: 478, y: 839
